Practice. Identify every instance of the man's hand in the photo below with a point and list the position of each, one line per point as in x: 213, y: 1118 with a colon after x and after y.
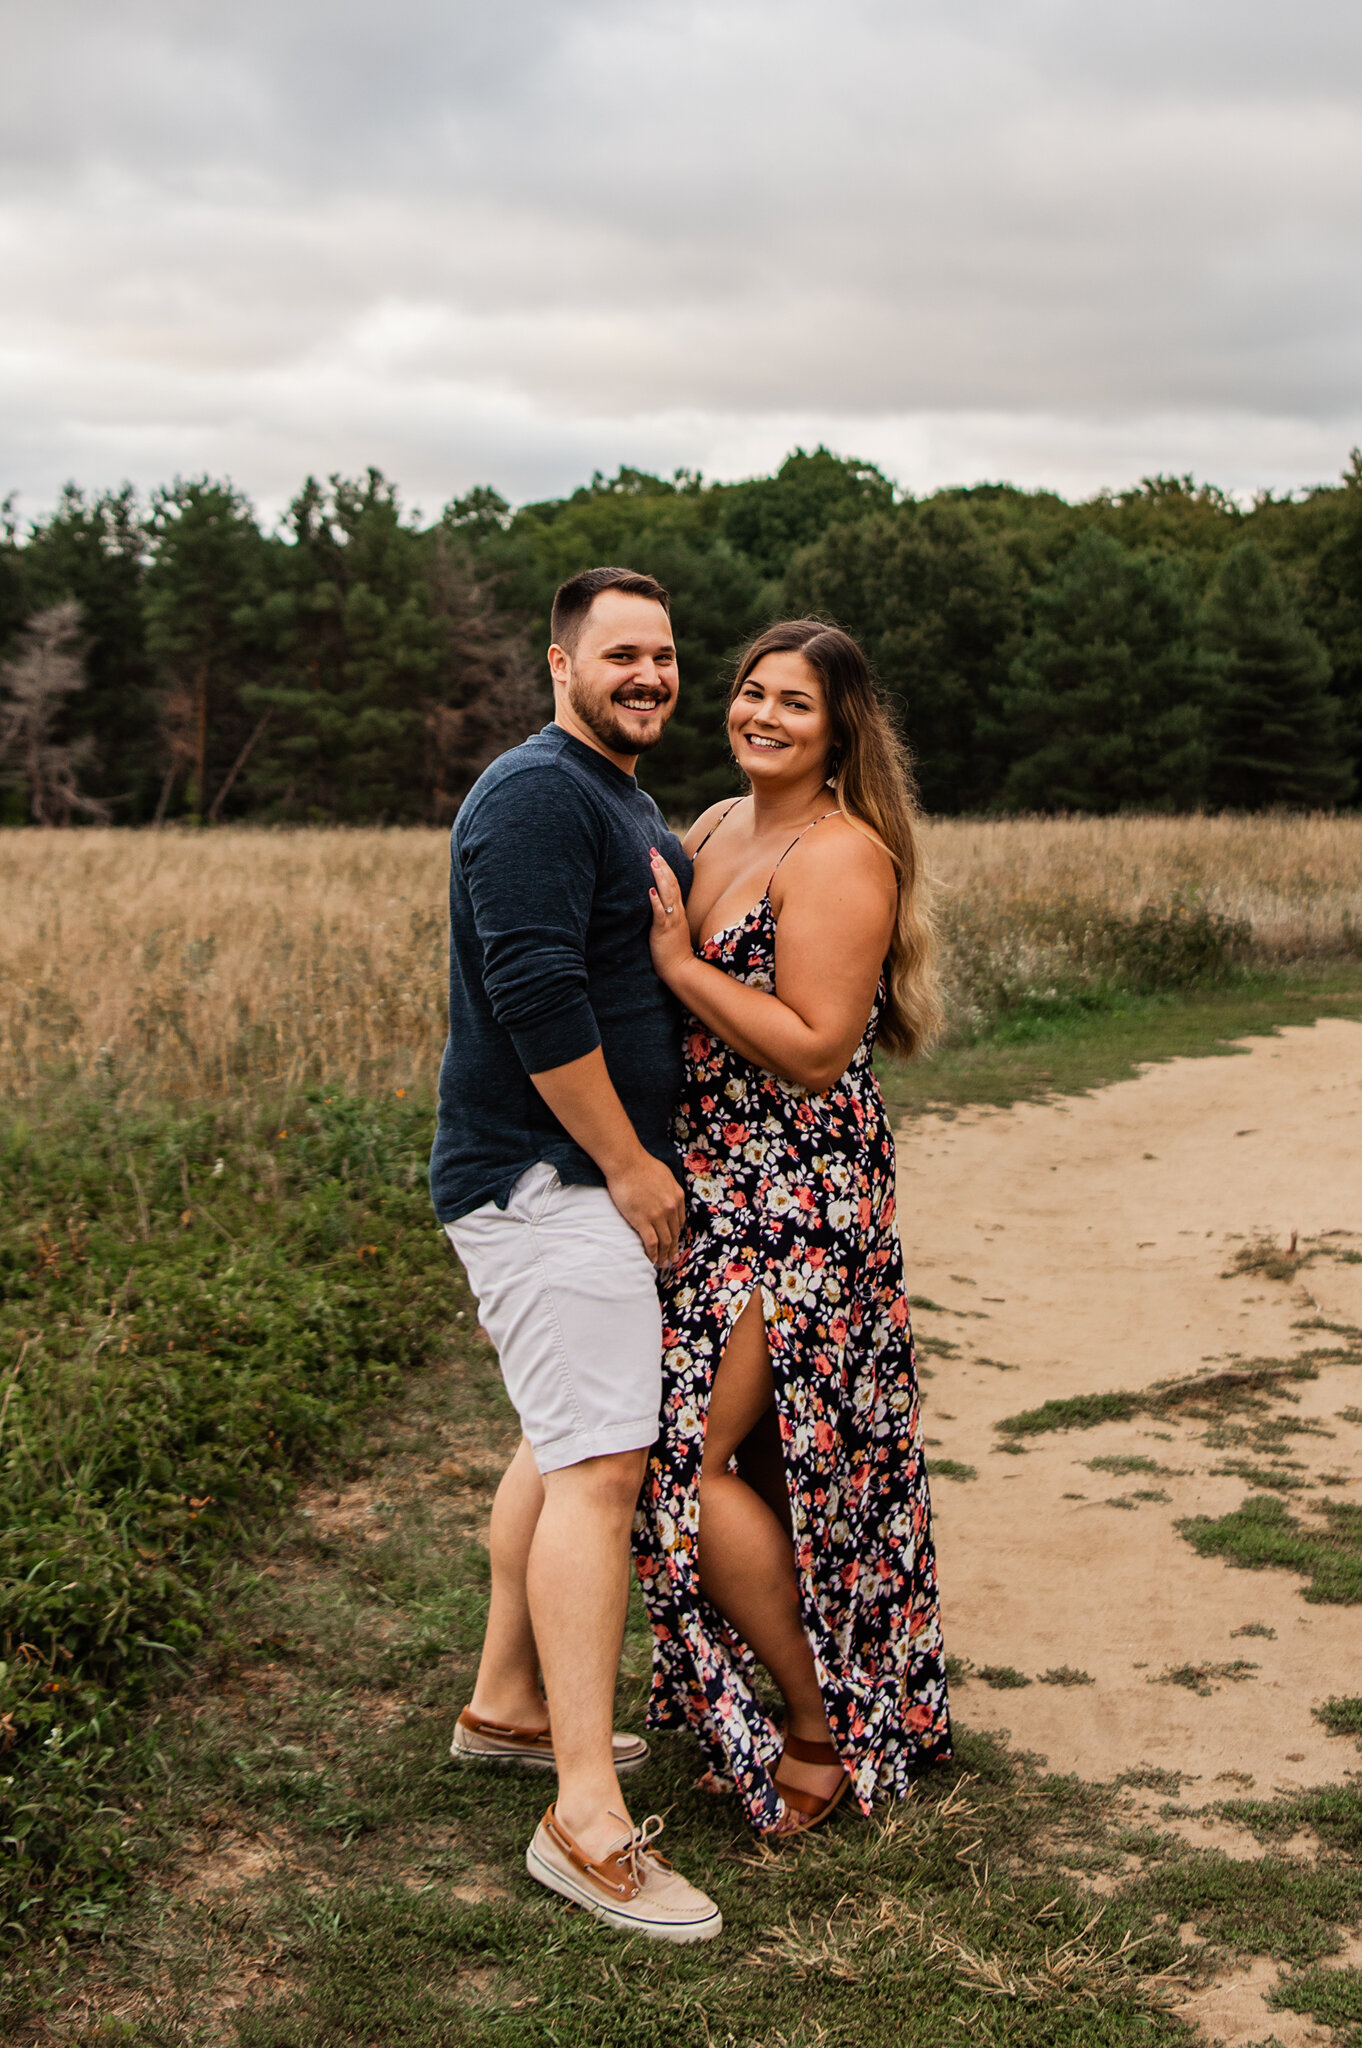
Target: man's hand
x: 651, y: 1201
x: 648, y: 1197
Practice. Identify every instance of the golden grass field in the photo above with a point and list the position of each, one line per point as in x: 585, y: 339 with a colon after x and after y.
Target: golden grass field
x: 202, y: 964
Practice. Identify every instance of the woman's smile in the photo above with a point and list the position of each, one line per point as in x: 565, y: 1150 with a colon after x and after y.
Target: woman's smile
x: 780, y: 710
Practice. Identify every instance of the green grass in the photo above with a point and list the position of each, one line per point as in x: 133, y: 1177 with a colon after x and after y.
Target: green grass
x: 951, y: 1468
x: 1272, y: 1906
x: 249, y: 1715
x: 1075, y: 1411
x: 1209, y: 1397
x: 1290, y: 1478
x: 194, y: 1305
x: 1262, y: 1533
x: 1333, y: 1812
x: 1334, y: 1997
x: 393, y: 1907
x: 1080, y: 1047
x: 1341, y: 1717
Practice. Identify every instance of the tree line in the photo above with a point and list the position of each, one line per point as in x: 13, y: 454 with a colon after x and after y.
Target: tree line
x: 1159, y: 648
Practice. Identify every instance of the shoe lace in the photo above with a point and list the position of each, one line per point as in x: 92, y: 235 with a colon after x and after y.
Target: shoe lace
x: 640, y: 1842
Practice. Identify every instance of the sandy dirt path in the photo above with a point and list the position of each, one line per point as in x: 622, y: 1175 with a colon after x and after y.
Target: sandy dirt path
x: 1092, y: 1235
x: 1080, y: 1246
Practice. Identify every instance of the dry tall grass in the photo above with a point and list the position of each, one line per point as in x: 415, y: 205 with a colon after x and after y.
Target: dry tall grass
x: 235, y: 960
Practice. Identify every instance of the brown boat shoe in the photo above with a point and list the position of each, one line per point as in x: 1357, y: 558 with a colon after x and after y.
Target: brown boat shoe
x: 478, y: 1741
x: 632, y: 1887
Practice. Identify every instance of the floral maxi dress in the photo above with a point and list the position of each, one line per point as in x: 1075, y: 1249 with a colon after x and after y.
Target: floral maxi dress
x: 792, y: 1194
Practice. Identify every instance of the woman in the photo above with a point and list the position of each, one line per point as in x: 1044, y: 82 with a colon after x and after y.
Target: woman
x: 785, y: 1517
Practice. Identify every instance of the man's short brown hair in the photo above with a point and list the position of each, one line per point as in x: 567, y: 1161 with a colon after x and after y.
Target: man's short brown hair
x: 574, y: 599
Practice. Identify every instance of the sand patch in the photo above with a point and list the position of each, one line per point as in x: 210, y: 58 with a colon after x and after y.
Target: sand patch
x: 1078, y: 1247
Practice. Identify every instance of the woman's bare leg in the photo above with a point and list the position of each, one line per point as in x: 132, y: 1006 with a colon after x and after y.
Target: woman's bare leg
x: 761, y: 1462
x: 746, y: 1561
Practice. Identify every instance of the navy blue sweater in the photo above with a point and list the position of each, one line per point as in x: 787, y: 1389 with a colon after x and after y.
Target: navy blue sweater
x: 548, y: 958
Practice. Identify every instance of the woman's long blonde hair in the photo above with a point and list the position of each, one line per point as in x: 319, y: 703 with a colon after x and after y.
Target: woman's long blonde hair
x: 871, y: 771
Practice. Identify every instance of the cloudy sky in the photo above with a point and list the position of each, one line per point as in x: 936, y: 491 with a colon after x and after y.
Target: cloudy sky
x: 1065, y: 242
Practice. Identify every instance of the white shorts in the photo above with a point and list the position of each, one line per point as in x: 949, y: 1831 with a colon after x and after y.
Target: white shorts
x: 568, y: 1295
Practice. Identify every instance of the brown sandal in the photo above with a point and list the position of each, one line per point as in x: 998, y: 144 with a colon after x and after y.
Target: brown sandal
x: 795, y: 1799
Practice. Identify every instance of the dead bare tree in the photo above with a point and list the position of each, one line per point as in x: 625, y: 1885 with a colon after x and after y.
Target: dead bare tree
x: 499, y: 695
x: 35, y: 688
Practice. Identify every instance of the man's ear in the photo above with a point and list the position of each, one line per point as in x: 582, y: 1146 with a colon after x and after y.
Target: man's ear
x: 560, y: 663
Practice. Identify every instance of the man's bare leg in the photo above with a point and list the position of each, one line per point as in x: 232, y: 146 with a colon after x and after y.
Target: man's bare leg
x: 507, y: 1688
x: 578, y: 1583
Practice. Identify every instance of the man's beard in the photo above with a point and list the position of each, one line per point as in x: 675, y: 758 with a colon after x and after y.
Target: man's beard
x: 600, y: 716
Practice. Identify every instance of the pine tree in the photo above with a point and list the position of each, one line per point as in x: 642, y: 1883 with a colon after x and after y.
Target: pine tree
x: 1105, y: 707
x: 362, y: 657
x: 1333, y: 589
x: 209, y: 634
x: 1275, y: 731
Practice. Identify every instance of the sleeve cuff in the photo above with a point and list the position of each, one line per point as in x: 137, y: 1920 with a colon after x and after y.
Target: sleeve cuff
x: 570, y: 1035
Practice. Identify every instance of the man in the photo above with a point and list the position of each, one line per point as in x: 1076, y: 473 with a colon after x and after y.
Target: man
x: 553, y: 1171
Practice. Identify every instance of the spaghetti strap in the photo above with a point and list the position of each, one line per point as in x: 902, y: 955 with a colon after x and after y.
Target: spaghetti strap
x: 836, y: 813
x: 714, y: 827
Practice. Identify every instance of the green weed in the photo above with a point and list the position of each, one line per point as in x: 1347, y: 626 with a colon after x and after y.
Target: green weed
x: 1333, y: 1812
x: 1290, y: 1478
x: 1125, y: 1467
x: 1341, y: 1717
x: 1203, y: 1678
x: 1262, y: 1533
x: 1208, y: 1398
x: 1154, y: 1778
x: 952, y: 1468
x: 1074, y: 1411
x: 1269, y: 1906
x: 1333, y: 1997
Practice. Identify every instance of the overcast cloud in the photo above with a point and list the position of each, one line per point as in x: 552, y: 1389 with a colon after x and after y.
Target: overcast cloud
x: 1061, y: 241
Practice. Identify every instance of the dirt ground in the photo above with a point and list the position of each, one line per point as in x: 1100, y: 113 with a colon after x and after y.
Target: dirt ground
x: 1079, y: 1247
